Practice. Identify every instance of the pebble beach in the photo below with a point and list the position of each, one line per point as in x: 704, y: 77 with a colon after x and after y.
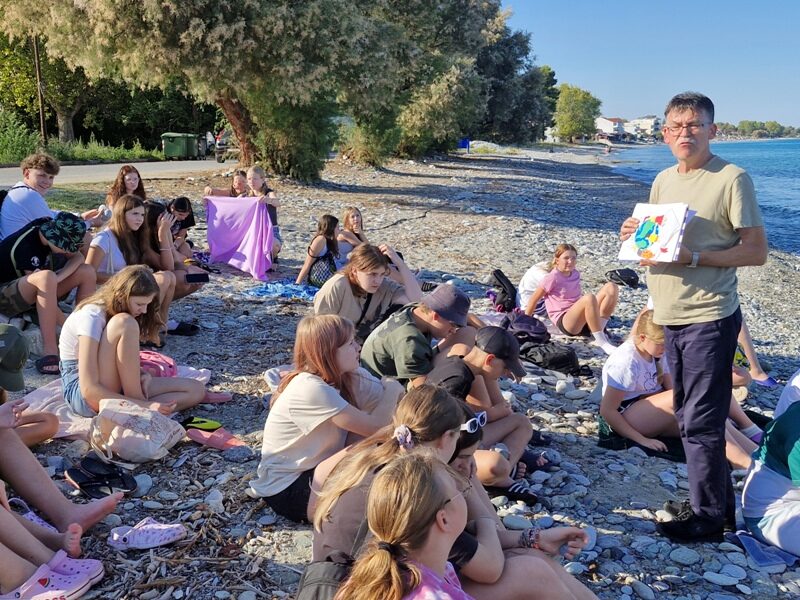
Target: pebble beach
x: 454, y: 218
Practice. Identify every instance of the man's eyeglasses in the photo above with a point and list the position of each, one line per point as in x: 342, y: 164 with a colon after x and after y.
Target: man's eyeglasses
x: 465, y: 492
x: 690, y: 127
x: 477, y: 422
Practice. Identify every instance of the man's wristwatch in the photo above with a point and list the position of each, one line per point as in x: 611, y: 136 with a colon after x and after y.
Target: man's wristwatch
x: 695, y: 260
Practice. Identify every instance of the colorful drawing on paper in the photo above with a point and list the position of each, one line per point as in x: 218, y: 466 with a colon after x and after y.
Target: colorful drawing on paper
x: 647, y: 234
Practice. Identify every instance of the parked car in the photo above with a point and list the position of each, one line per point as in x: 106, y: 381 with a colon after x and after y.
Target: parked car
x: 225, y: 145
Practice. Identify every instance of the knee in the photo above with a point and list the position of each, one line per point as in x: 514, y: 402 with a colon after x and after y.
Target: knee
x: 521, y: 421
x: 43, y: 280
x: 590, y: 299
x: 122, y: 324
x: 611, y: 289
x: 87, y: 274
x: 50, y: 423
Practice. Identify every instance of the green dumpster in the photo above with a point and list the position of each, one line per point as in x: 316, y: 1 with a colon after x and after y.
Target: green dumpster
x: 179, y: 145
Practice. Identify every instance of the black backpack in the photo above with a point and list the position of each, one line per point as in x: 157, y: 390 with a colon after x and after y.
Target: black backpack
x: 553, y: 356
x: 507, y: 293
x: 526, y: 329
x: 322, y: 579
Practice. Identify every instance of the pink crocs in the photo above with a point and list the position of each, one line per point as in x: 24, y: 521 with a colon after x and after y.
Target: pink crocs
x: 62, y: 564
x: 44, y: 584
x: 147, y: 533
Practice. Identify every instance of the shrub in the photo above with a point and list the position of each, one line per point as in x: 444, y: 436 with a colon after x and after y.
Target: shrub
x: 439, y: 114
x: 367, y: 145
x: 16, y: 141
x: 95, y: 150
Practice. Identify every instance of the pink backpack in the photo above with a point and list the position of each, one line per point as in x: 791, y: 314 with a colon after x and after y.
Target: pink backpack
x: 157, y: 364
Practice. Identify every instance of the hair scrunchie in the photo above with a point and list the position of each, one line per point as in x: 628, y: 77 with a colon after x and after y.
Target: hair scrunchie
x: 403, y: 436
x: 390, y: 548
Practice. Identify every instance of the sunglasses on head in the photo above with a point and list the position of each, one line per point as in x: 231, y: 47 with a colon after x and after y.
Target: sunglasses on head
x: 475, y: 423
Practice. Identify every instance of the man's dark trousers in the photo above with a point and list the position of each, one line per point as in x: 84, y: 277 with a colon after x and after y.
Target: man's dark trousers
x: 700, y: 357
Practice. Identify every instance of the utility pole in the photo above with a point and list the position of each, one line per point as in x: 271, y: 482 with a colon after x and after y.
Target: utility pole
x: 39, y: 94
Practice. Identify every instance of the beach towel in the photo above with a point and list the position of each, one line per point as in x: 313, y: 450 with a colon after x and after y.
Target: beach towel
x: 240, y: 234
x: 50, y: 399
x: 284, y: 289
x: 765, y: 555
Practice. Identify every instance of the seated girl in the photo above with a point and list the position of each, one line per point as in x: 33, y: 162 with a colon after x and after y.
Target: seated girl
x: 321, y: 254
x: 637, y: 396
x: 771, y: 497
x: 30, y: 565
x: 351, y: 235
x: 99, y: 349
x: 160, y: 223
x: 363, y: 292
x: 324, y: 398
x: 257, y: 186
x: 416, y: 509
x: 529, y: 554
x: 128, y: 181
x: 574, y: 313
x: 181, y: 209
x: 238, y: 186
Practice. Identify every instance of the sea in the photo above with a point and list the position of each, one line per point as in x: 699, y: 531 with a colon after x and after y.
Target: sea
x: 774, y: 166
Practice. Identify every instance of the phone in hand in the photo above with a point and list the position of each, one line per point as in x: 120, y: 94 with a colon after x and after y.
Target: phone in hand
x: 197, y: 278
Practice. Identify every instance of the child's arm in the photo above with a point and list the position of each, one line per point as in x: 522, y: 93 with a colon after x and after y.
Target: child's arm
x: 612, y: 398
x: 480, y: 399
x: 537, y: 295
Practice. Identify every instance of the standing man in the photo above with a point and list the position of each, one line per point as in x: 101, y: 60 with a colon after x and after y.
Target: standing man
x: 696, y: 301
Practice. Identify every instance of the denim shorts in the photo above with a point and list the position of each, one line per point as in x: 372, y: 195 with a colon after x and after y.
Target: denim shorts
x: 72, y: 389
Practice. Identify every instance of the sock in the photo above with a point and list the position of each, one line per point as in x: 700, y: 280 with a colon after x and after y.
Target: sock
x: 601, y: 340
x: 171, y: 324
x: 603, y: 323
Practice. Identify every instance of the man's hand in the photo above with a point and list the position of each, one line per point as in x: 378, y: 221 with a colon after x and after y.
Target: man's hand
x: 654, y: 444
x: 628, y: 228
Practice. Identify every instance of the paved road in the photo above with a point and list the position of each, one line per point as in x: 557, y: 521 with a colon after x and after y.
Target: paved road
x: 107, y: 173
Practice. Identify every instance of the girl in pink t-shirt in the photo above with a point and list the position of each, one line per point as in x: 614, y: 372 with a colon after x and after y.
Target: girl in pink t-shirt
x: 573, y: 312
x: 416, y: 509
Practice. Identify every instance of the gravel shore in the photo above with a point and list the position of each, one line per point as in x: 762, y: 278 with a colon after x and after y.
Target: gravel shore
x: 455, y: 217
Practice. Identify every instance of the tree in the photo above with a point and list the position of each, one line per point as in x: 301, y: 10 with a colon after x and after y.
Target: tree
x: 576, y: 111
x: 519, y: 104
x: 774, y: 128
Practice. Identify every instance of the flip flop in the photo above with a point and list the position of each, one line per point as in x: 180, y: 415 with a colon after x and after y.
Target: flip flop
x: 216, y: 397
x: 221, y: 439
x: 768, y: 383
x: 100, y: 486
x: 45, y: 365
x: 531, y: 460
x: 184, y: 328
x: 201, y: 423
x: 147, y: 533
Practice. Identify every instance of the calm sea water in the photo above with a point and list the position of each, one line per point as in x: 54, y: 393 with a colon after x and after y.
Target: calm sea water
x: 774, y: 166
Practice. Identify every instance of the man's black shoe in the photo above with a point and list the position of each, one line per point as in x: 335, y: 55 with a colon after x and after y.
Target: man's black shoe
x: 683, y: 510
x: 691, y: 530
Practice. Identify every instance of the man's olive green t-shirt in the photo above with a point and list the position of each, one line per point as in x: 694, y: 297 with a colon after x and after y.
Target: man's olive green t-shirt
x: 724, y: 199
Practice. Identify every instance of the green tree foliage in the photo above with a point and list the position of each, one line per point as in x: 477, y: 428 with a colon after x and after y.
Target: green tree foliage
x: 576, y: 111
x: 521, y: 96
x: 16, y: 140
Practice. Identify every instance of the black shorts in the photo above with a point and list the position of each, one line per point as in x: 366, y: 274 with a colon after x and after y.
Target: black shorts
x: 292, y: 502
x: 585, y: 332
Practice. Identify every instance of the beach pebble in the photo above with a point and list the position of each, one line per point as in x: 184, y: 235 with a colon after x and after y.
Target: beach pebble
x: 591, y: 532
x: 545, y: 522
x: 575, y: 568
x: 744, y: 589
x: 267, y: 519
x: 719, y: 578
x: 238, y: 454
x: 685, y: 556
x: 668, y: 479
x: 644, y: 591
x: 168, y: 496
x: 499, y: 501
x: 152, y: 505
x: 112, y: 520
x: 246, y: 595
x: 728, y: 547
x: 516, y: 522
x: 143, y: 485
x: 575, y: 394
x: 734, y: 571
x: 214, y: 501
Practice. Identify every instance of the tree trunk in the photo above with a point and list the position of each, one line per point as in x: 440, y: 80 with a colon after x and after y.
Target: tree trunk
x: 66, y: 132
x: 243, y: 127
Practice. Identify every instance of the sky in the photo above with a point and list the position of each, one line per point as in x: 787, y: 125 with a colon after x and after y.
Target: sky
x: 634, y: 55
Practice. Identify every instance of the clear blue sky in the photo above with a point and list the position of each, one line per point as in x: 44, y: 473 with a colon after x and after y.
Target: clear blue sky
x: 636, y: 54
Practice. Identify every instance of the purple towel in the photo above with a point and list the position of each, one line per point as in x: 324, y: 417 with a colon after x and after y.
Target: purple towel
x: 240, y: 234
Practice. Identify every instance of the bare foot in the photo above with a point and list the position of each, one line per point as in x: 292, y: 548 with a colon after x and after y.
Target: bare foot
x: 87, y: 515
x: 72, y: 540
x: 522, y: 470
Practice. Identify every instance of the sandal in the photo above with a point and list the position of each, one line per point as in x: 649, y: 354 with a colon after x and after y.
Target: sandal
x: 201, y: 423
x: 768, y: 383
x: 49, y: 585
x: 539, y: 439
x: 62, y: 564
x: 184, y: 328
x: 100, y: 486
x: 221, y: 439
x: 48, y: 365
x: 147, y: 533
x: 534, y: 461
x: 519, y: 490
x: 29, y: 515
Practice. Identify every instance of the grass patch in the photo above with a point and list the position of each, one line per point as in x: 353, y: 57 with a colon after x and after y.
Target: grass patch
x: 94, y: 150
x: 490, y: 150
x: 74, y: 200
